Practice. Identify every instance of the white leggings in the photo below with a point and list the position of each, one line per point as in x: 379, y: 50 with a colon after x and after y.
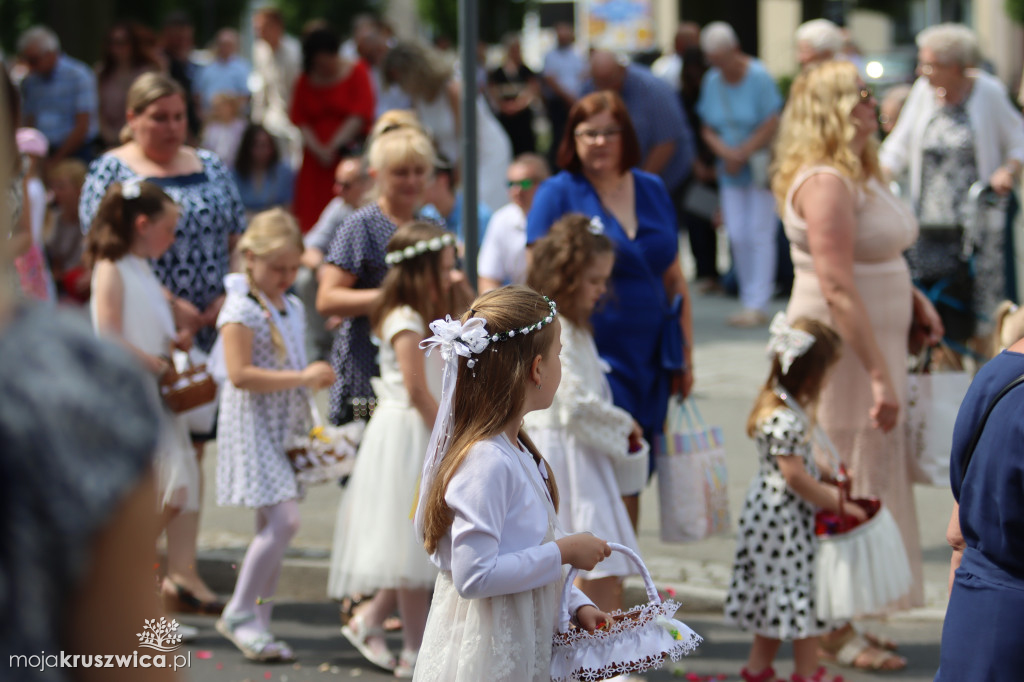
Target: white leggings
x: 750, y: 222
x: 257, y: 576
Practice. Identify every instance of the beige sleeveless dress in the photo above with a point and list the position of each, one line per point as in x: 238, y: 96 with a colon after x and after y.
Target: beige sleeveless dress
x: 878, y: 461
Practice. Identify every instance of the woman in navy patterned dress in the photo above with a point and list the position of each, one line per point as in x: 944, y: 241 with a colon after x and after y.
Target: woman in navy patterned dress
x: 193, y: 269
x: 401, y: 162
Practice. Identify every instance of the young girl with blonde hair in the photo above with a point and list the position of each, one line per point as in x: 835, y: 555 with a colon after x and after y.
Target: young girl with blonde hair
x: 265, y: 401
x: 487, y: 502
x: 375, y: 547
x: 583, y: 433
x: 773, y: 585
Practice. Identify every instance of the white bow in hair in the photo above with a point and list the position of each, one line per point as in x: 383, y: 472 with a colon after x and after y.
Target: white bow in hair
x: 596, y: 225
x: 131, y: 188
x: 786, y: 342
x: 454, y: 338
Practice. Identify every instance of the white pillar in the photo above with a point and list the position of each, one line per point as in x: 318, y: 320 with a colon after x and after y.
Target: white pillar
x: 777, y: 23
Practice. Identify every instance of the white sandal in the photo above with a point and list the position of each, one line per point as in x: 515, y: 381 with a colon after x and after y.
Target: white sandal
x: 406, y: 663
x: 255, y: 647
x: 357, y: 633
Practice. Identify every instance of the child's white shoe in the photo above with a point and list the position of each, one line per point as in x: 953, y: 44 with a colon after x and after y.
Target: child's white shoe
x: 357, y: 634
x: 406, y: 663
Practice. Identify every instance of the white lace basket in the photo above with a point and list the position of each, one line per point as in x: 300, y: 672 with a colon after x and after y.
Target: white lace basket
x: 637, y: 640
x: 325, y: 453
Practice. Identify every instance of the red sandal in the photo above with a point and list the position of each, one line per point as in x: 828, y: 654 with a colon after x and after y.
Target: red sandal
x: 818, y: 676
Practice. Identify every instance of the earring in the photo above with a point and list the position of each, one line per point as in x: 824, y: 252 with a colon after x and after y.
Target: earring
x: 538, y: 385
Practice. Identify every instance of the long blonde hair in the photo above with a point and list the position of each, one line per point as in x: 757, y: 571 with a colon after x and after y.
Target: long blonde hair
x: 491, y: 393
x: 268, y: 233
x: 817, y: 128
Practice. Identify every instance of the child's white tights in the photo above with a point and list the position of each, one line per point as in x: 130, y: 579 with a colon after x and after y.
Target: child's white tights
x: 257, y: 578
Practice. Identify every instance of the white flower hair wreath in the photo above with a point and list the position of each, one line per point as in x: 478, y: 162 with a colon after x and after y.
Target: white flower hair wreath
x: 420, y: 248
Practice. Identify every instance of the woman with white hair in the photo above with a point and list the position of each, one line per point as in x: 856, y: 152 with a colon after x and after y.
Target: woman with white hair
x: 739, y: 105
x: 817, y: 40
x: 958, y: 127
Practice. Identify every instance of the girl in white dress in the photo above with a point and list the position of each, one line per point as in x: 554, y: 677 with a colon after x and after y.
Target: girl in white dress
x: 487, y: 504
x: 375, y: 546
x: 135, y: 223
x: 583, y: 432
x: 265, y: 401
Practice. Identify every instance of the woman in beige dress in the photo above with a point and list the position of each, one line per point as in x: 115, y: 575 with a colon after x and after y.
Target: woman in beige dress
x: 848, y: 233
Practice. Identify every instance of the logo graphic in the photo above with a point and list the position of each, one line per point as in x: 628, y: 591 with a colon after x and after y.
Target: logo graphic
x: 160, y: 635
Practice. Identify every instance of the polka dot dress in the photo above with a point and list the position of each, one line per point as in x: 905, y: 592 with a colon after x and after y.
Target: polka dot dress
x: 252, y: 428
x: 772, y: 590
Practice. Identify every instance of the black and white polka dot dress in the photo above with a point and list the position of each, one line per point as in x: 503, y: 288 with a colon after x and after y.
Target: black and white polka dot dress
x: 253, y: 428
x: 772, y: 590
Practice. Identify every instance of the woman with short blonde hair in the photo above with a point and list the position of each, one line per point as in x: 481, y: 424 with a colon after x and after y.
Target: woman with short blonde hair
x: 848, y: 233
x: 401, y: 163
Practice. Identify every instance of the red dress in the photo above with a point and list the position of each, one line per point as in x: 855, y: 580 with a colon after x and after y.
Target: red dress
x: 324, y: 109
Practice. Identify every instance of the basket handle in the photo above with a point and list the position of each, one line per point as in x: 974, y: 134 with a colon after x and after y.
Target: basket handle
x: 317, y: 420
x: 652, y: 591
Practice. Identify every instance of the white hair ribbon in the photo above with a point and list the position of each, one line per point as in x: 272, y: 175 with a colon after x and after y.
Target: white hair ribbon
x: 596, y: 225
x: 786, y: 342
x: 131, y: 189
x: 452, y: 339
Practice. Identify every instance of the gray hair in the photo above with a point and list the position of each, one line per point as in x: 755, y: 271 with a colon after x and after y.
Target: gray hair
x: 821, y: 35
x: 718, y: 37
x: 39, y: 36
x: 951, y: 43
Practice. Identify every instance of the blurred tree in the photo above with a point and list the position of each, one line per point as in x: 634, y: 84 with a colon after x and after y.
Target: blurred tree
x: 1015, y: 10
x: 497, y: 17
x: 338, y: 14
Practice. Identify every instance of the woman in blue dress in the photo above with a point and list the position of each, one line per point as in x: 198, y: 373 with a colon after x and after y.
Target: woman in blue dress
x: 985, y: 616
x: 642, y: 330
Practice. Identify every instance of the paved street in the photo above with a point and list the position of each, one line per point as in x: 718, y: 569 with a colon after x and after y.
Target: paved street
x: 730, y: 367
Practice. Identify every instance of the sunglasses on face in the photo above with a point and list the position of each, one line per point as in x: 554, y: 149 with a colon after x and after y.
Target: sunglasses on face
x: 522, y: 184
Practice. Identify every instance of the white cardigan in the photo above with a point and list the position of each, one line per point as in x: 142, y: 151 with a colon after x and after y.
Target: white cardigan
x: 997, y: 126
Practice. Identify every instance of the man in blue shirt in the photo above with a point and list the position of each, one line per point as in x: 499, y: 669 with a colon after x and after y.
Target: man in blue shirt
x: 666, y: 142
x: 58, y: 96
x: 227, y: 73
x: 444, y: 203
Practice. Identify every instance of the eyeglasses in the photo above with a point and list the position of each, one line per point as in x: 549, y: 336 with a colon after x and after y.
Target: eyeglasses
x: 346, y: 184
x: 589, y: 135
x: 523, y: 185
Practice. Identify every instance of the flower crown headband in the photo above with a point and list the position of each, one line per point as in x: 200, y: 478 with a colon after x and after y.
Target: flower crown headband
x: 786, y: 342
x: 419, y: 248
x: 453, y: 338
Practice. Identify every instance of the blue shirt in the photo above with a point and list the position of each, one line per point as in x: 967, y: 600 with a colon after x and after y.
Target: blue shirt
x: 454, y: 221
x: 231, y: 77
x: 735, y: 110
x: 53, y: 101
x: 657, y: 117
x: 630, y: 327
x: 276, y: 190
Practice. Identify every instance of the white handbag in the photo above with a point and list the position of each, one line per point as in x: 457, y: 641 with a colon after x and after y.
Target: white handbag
x: 933, y: 401
x: 636, y: 640
x: 693, y: 500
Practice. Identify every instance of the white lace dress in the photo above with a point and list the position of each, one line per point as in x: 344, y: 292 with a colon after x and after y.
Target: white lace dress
x: 579, y: 435
x: 375, y: 544
x: 148, y: 324
x: 496, y: 600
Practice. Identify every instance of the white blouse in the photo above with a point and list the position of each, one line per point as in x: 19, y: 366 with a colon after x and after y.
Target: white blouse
x: 583, y: 404
x: 496, y: 542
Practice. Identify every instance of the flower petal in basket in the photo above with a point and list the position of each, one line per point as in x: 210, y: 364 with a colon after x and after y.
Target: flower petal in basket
x: 637, y: 640
x: 325, y: 453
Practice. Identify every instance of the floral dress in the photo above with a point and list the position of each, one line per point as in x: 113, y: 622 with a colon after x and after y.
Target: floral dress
x: 773, y: 585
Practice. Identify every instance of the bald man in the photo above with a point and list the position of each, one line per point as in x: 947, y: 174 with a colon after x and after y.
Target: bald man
x: 667, y: 145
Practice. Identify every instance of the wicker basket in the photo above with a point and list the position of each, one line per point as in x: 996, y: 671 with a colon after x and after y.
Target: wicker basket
x: 189, y: 389
x: 325, y: 453
x: 636, y: 640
